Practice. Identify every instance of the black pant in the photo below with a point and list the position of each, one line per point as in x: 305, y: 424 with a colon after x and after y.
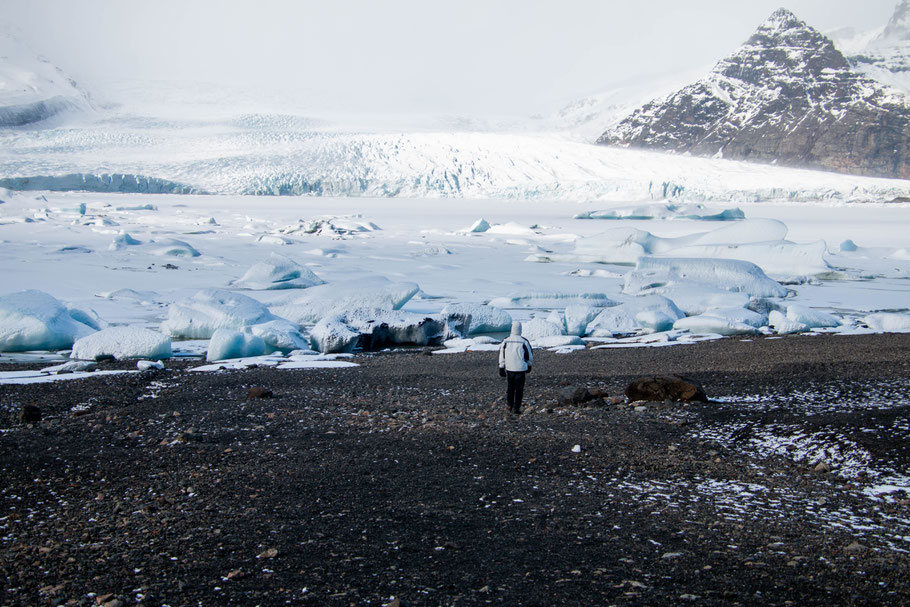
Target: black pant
x: 515, y: 390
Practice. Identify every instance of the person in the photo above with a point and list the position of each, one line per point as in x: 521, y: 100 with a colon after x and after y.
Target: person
x: 515, y: 360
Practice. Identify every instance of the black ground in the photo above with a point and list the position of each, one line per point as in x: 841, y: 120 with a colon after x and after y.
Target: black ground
x: 405, y: 477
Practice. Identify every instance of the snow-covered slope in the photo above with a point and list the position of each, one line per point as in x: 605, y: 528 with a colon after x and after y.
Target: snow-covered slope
x: 586, y: 118
x: 882, y: 54
x: 786, y: 96
x: 32, y: 89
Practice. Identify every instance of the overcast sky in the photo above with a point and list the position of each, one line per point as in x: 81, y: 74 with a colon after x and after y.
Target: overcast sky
x: 506, y: 57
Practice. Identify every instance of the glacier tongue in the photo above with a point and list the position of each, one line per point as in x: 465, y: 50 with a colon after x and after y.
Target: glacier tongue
x: 245, y: 157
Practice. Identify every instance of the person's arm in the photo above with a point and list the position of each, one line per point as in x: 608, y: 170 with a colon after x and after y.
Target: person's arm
x: 529, y: 355
x: 502, y: 360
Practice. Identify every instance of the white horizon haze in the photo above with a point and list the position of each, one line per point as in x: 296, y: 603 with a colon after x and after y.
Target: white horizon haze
x: 480, y: 58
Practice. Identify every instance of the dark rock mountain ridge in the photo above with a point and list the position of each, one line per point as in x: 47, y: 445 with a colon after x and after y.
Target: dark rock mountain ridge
x: 787, y: 96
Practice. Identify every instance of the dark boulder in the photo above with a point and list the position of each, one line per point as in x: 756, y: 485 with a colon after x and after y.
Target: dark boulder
x: 260, y: 392
x: 570, y: 396
x: 30, y: 414
x: 659, y: 388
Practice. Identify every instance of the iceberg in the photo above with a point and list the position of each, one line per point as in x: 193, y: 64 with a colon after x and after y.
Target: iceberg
x: 172, y: 247
x: 785, y: 261
x: 278, y: 272
x: 231, y: 343
x: 714, y: 324
x: 538, y: 328
x: 649, y: 313
x: 35, y: 320
x: 122, y: 241
x: 888, y: 322
x: 697, y: 299
x: 211, y: 309
x: 724, y: 321
x: 374, y: 329
x: 558, y: 341
x: 333, y: 335
x: 760, y: 241
x: 280, y: 335
x: 812, y: 319
x: 123, y: 343
x: 337, y: 227
x: 655, y: 274
x: 478, y: 227
x: 472, y: 319
x: 577, y: 317
x: 778, y: 321
x: 665, y: 211
x: 320, y: 301
x: 551, y: 299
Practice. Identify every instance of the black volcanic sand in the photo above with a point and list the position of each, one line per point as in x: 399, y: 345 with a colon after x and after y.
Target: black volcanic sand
x: 406, y: 478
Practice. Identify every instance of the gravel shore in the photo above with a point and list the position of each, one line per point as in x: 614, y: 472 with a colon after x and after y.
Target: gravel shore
x: 406, y: 479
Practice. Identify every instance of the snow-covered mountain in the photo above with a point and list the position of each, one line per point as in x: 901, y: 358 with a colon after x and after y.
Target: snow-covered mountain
x: 586, y: 118
x: 882, y: 54
x: 787, y: 96
x: 32, y: 89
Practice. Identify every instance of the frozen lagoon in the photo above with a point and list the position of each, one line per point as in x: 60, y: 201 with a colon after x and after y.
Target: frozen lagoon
x: 130, y: 257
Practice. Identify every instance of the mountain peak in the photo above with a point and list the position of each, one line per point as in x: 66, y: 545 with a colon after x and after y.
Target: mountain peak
x: 785, y: 48
x: 781, y: 19
x: 898, y: 28
x: 786, y: 96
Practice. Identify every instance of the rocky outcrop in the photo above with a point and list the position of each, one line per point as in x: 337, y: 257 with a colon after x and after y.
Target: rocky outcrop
x: 787, y: 96
x: 671, y: 387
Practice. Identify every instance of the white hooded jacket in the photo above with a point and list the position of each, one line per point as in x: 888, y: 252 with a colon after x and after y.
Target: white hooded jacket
x: 515, y: 353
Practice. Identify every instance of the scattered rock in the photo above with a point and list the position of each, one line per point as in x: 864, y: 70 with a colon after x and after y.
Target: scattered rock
x: 658, y: 388
x: 189, y: 437
x: 855, y: 548
x: 30, y: 414
x: 260, y: 392
x: 569, y: 396
x: 268, y: 554
x: 823, y: 468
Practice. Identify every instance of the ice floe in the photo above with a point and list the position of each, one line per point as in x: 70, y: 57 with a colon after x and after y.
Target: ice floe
x: 372, y: 329
x: 277, y: 272
x: 123, y: 343
x: 331, y: 361
x: 34, y: 320
x: 889, y: 322
x: 656, y: 274
x: 551, y: 299
x: 666, y: 210
x: 538, y: 328
x: 315, y: 303
x: 233, y: 343
x: 472, y: 319
x: 211, y: 309
x: 652, y: 314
